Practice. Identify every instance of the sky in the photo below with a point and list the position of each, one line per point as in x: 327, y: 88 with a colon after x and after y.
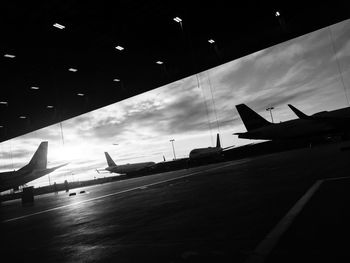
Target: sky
x: 312, y: 72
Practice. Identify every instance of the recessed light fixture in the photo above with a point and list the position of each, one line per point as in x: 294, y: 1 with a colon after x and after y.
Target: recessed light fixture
x: 211, y: 41
x: 80, y: 94
x: 1, y: 126
x: 59, y: 26
x: 49, y: 106
x: 177, y: 19
x: 159, y: 62
x: 116, y: 80
x: 9, y: 56
x: 120, y: 48
x: 4, y: 102
x: 72, y: 69
x: 22, y: 117
x: 277, y: 13
x: 35, y: 88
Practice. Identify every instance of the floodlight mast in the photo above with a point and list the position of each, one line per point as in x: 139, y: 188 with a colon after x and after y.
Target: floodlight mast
x: 172, y: 143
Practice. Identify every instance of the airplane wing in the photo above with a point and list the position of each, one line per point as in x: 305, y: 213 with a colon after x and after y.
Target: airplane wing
x: 39, y: 173
x: 103, y: 171
x: 229, y: 147
x: 14, y: 181
x: 50, y: 170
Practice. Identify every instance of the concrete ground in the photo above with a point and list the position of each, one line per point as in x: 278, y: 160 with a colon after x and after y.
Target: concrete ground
x: 219, y: 212
x: 321, y: 231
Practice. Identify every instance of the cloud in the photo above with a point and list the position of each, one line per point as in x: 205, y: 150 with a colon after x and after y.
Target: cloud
x: 343, y: 52
x: 280, y: 54
x: 165, y: 111
x: 13, y: 155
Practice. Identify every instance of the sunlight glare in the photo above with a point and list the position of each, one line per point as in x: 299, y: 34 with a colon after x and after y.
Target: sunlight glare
x: 66, y: 153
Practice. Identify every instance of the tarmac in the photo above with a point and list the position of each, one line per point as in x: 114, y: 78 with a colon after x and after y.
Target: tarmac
x: 224, y: 212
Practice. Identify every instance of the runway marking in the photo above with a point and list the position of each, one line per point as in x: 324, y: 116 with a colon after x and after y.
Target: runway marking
x: 269, y: 242
x: 120, y: 192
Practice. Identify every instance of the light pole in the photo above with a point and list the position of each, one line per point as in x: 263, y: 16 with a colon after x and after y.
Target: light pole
x: 281, y: 21
x: 172, y: 143
x: 212, y: 42
x: 270, y: 110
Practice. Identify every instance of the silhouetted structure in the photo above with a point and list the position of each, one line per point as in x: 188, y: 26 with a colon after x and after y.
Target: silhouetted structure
x: 66, y: 186
x: 28, y: 195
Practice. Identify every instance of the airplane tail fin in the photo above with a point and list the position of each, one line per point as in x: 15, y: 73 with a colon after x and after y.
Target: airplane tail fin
x: 250, y: 118
x: 110, y: 161
x: 299, y: 113
x: 218, y: 144
x: 39, y: 159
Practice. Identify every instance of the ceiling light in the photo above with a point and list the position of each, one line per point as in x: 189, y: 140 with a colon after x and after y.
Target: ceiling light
x: 120, y: 48
x: 159, y: 62
x: 36, y: 88
x: 49, y: 106
x: 73, y: 69
x: 211, y: 41
x: 1, y: 126
x: 116, y: 80
x: 177, y: 19
x: 277, y: 13
x: 59, y: 26
x: 4, y: 102
x: 22, y: 117
x: 9, y: 56
x: 80, y: 94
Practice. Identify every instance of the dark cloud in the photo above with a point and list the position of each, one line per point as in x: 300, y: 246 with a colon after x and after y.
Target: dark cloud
x: 281, y: 100
x: 229, y: 122
x: 189, y: 115
x: 186, y: 113
x: 301, y: 77
x: 253, y: 76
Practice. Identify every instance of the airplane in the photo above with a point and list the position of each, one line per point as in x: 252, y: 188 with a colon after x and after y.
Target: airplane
x: 213, y: 153
x: 259, y: 128
x: 338, y: 119
x: 36, y: 168
x: 126, y: 168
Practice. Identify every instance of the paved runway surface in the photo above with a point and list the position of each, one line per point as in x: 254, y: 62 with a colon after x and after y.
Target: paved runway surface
x: 218, y: 212
x: 321, y: 232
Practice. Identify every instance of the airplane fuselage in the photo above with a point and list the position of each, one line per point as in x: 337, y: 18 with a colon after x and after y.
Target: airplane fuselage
x: 36, y: 168
x: 340, y: 113
x: 210, y: 152
x: 292, y: 129
x: 129, y: 168
x: 14, y: 179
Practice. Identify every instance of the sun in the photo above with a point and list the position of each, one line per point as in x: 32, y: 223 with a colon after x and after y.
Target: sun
x: 66, y: 153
